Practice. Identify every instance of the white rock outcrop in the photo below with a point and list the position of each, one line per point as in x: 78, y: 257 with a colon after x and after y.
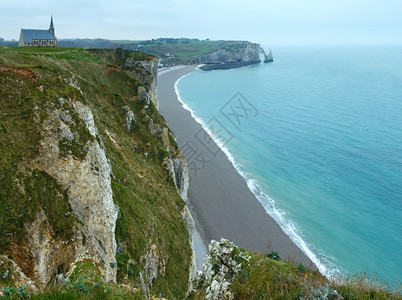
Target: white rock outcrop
x: 86, y: 114
x: 179, y: 172
x: 242, y: 51
x: 130, y: 118
x: 146, y: 72
x: 220, y: 268
x: 12, y: 270
x: 73, y: 82
x: 88, y: 184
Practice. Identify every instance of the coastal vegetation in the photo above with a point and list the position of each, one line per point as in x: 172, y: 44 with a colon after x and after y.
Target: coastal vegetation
x: 162, y: 47
x: 230, y: 272
x: 35, y: 84
x: 267, y: 278
x: 170, y: 51
x: 153, y: 253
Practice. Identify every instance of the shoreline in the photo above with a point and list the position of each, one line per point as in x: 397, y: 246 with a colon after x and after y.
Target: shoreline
x: 220, y: 198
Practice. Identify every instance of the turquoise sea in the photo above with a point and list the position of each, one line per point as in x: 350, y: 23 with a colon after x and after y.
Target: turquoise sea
x: 318, y: 136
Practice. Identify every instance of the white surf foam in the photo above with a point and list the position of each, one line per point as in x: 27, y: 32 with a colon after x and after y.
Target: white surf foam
x: 324, y: 264
x: 165, y: 70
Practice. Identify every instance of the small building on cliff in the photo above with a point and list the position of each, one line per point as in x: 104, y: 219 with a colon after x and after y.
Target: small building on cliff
x: 38, y: 37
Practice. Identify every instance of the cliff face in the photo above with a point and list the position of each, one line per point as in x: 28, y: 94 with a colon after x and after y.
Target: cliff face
x: 88, y: 183
x: 145, y: 72
x: 231, y: 55
x: 69, y: 153
x: 84, y: 178
x: 178, y: 169
x: 220, y: 268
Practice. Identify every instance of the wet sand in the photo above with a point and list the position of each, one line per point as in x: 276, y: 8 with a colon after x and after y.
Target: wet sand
x: 219, y: 199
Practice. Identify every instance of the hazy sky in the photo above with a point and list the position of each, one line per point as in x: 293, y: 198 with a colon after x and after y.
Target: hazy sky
x: 271, y: 22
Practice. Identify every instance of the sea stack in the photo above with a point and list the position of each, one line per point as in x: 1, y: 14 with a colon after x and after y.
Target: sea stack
x: 269, y: 57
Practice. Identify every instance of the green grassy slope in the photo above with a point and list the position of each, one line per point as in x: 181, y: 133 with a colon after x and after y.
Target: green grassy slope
x: 180, y: 48
x: 269, y: 277
x: 266, y: 278
x: 143, y: 190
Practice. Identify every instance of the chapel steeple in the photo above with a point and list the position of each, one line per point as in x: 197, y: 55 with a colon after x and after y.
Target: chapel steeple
x: 51, y: 28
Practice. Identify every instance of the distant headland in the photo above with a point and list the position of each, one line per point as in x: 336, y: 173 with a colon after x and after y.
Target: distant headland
x: 181, y: 51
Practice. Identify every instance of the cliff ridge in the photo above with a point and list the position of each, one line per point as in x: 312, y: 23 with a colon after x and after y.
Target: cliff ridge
x: 86, y: 194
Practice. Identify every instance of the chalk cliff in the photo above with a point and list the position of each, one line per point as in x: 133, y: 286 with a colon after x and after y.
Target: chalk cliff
x: 145, y: 72
x: 231, y: 55
x: 91, y: 178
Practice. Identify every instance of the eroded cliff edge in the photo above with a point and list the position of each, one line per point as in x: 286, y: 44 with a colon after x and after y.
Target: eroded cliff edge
x: 90, y: 174
x: 232, y: 55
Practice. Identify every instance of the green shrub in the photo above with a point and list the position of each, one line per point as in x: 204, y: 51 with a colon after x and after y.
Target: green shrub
x: 16, y: 293
x: 273, y: 255
x: 301, y: 269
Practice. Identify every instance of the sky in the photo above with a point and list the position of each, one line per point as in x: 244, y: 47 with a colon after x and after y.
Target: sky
x: 270, y: 22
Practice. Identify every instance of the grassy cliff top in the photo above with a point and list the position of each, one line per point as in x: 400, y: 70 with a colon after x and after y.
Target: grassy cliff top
x: 162, y: 47
x: 33, y: 80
